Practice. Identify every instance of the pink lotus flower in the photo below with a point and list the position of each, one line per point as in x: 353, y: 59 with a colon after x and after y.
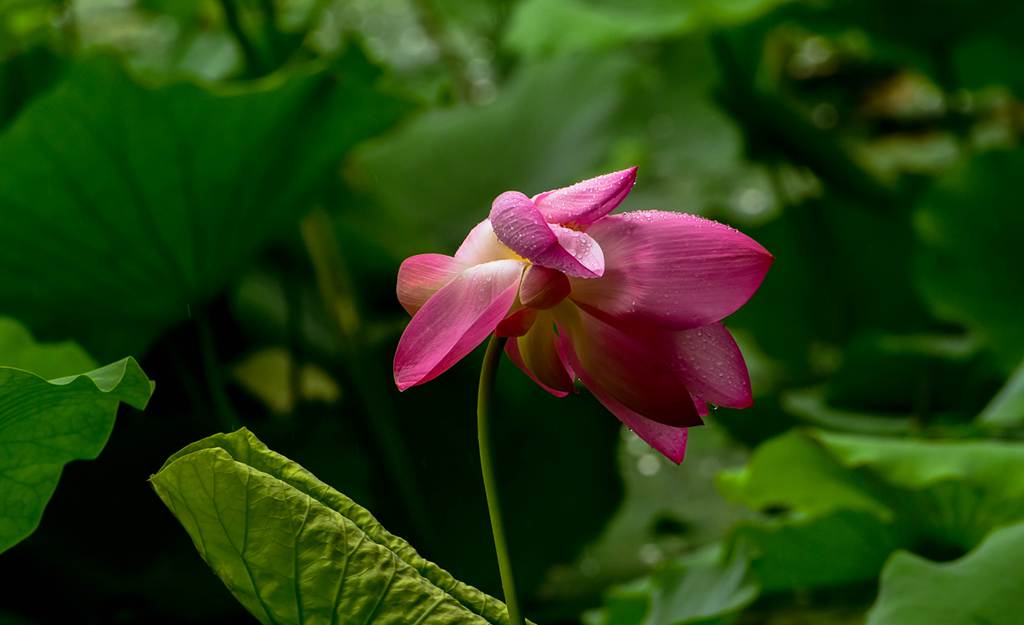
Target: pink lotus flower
x: 630, y: 304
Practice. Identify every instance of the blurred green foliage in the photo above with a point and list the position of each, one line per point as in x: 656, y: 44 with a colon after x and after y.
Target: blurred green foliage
x: 198, y: 183
x: 982, y: 585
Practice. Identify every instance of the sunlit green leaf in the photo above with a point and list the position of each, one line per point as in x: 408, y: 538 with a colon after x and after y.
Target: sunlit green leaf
x: 955, y: 491
x: 981, y: 587
x: 46, y: 423
x: 787, y: 552
x: 122, y: 206
x: 817, y: 504
x: 272, y: 376
x: 293, y: 550
x: 864, y: 496
x: 1007, y: 407
x: 795, y: 472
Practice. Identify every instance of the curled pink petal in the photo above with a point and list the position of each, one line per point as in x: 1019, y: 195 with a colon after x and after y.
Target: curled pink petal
x: 580, y: 247
x: 712, y: 367
x: 518, y: 323
x: 482, y: 246
x: 635, y: 366
x: 543, y: 287
x: 585, y: 202
x: 670, y: 440
x: 513, y: 353
x: 455, y: 320
x: 674, y: 270
x: 519, y: 225
x: 422, y: 275
x: 536, y: 355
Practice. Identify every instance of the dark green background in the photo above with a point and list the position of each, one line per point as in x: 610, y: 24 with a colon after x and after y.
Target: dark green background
x: 192, y: 183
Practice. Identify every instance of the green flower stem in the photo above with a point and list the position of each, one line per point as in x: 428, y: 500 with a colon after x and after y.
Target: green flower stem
x: 488, y: 374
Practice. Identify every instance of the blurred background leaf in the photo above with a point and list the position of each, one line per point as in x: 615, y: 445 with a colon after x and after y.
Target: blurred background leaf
x: 156, y: 197
x: 980, y: 587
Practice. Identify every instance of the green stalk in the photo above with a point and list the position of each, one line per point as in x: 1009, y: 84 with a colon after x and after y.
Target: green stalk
x: 214, y: 377
x: 488, y: 375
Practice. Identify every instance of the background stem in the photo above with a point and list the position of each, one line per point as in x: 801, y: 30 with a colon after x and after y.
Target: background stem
x: 229, y: 420
x: 335, y: 284
x: 488, y: 374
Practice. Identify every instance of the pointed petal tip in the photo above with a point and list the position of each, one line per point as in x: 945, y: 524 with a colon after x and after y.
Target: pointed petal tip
x: 625, y: 178
x: 677, y: 453
x: 588, y: 200
x: 402, y: 379
x: 747, y: 402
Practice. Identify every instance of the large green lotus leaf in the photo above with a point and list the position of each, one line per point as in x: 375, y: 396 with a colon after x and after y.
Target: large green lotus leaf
x: 293, y: 550
x: 795, y: 473
x: 540, y: 27
x: 982, y: 587
x: 955, y: 492
x: 968, y: 264
x: 47, y: 360
x: 46, y: 423
x: 123, y: 205
x: 821, y: 507
x: 834, y: 549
